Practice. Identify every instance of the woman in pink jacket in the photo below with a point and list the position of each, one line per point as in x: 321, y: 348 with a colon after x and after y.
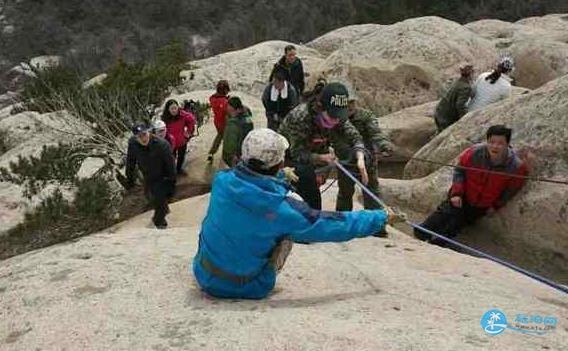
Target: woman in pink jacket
x: 180, y: 124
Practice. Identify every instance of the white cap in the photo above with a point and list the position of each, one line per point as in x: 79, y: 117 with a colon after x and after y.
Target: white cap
x: 507, y: 62
x: 265, y: 145
x: 159, y: 125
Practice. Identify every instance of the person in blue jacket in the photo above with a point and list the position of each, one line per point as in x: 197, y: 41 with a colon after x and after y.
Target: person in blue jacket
x: 253, y: 218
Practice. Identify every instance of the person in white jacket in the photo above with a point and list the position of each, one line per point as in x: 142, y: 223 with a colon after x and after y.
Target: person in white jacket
x: 493, y: 86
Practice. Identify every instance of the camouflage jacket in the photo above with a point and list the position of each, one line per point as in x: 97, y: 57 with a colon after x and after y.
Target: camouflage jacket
x: 367, y: 124
x: 305, y: 137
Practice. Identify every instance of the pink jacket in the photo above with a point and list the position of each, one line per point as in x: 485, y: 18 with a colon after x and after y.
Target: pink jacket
x: 181, y: 128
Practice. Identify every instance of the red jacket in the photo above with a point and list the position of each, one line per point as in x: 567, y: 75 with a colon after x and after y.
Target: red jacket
x: 482, y: 189
x: 219, y: 106
x: 181, y: 128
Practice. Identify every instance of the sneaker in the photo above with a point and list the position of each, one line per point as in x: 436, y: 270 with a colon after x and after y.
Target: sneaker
x: 210, y: 158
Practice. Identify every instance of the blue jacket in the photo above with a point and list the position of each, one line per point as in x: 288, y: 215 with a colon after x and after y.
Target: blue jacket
x: 248, y: 215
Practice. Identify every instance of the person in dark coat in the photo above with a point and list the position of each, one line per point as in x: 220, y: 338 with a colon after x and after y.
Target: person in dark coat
x: 154, y: 158
x: 279, y: 98
x: 293, y: 67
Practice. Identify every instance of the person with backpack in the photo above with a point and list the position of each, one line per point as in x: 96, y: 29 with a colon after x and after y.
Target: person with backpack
x: 181, y: 125
x: 254, y: 218
x: 279, y: 98
x: 239, y: 124
x: 453, y: 104
x: 153, y: 156
x: 292, y: 66
x: 218, y: 102
x: 159, y: 129
x: 494, y: 86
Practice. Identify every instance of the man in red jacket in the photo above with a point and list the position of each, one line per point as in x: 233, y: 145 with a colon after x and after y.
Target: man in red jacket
x: 476, y: 192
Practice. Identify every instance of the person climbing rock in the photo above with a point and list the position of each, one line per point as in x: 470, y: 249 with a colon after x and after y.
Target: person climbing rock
x: 181, y: 125
x: 253, y: 219
x: 377, y: 147
x: 311, y: 129
x: 154, y: 158
x: 475, y: 192
x: 453, y: 104
x: 494, y: 86
x: 218, y: 103
x: 293, y: 67
x: 239, y: 124
x: 279, y: 98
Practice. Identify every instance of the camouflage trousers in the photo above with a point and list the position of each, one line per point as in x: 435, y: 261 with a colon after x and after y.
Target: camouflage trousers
x: 347, y: 190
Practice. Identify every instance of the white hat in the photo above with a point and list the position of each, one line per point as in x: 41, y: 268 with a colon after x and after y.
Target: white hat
x: 159, y: 125
x: 265, y: 145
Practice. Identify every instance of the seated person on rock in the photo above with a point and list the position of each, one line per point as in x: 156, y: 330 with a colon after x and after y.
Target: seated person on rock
x: 475, y: 192
x: 253, y: 218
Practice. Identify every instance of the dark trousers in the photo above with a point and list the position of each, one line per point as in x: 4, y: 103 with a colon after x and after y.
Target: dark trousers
x: 448, y: 220
x: 179, y: 153
x: 307, y: 186
x: 157, y: 195
x: 216, y: 143
x: 347, y: 189
x: 273, y: 123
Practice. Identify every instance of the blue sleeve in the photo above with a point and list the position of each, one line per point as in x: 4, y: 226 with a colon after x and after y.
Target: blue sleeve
x: 323, y: 226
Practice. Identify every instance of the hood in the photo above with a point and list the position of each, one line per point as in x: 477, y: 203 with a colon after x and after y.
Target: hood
x: 251, y: 190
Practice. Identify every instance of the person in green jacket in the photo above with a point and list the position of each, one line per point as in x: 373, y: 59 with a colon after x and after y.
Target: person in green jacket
x: 239, y: 124
x: 453, y: 104
x: 377, y: 146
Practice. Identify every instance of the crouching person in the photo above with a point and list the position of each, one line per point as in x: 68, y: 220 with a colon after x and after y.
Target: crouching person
x: 253, y: 218
x: 476, y: 189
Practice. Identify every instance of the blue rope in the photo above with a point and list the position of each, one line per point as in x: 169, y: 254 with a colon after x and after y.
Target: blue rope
x: 534, y: 276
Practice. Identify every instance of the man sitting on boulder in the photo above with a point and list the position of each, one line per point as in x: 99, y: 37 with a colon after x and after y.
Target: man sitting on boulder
x: 253, y: 218
x: 453, y: 104
x: 475, y: 191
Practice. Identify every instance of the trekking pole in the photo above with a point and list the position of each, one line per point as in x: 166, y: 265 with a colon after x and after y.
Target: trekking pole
x: 529, y: 274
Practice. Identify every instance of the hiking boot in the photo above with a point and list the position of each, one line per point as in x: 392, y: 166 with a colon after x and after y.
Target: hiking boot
x: 381, y: 233
x: 161, y: 224
x: 210, y: 158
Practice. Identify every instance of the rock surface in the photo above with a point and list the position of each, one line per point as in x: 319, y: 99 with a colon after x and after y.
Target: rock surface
x: 532, y: 230
x: 246, y: 70
x: 329, y: 42
x: 407, y: 63
x: 130, y: 288
x: 538, y: 44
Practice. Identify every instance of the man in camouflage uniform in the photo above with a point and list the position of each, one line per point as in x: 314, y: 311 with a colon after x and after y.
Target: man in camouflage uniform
x: 311, y: 128
x: 377, y: 146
